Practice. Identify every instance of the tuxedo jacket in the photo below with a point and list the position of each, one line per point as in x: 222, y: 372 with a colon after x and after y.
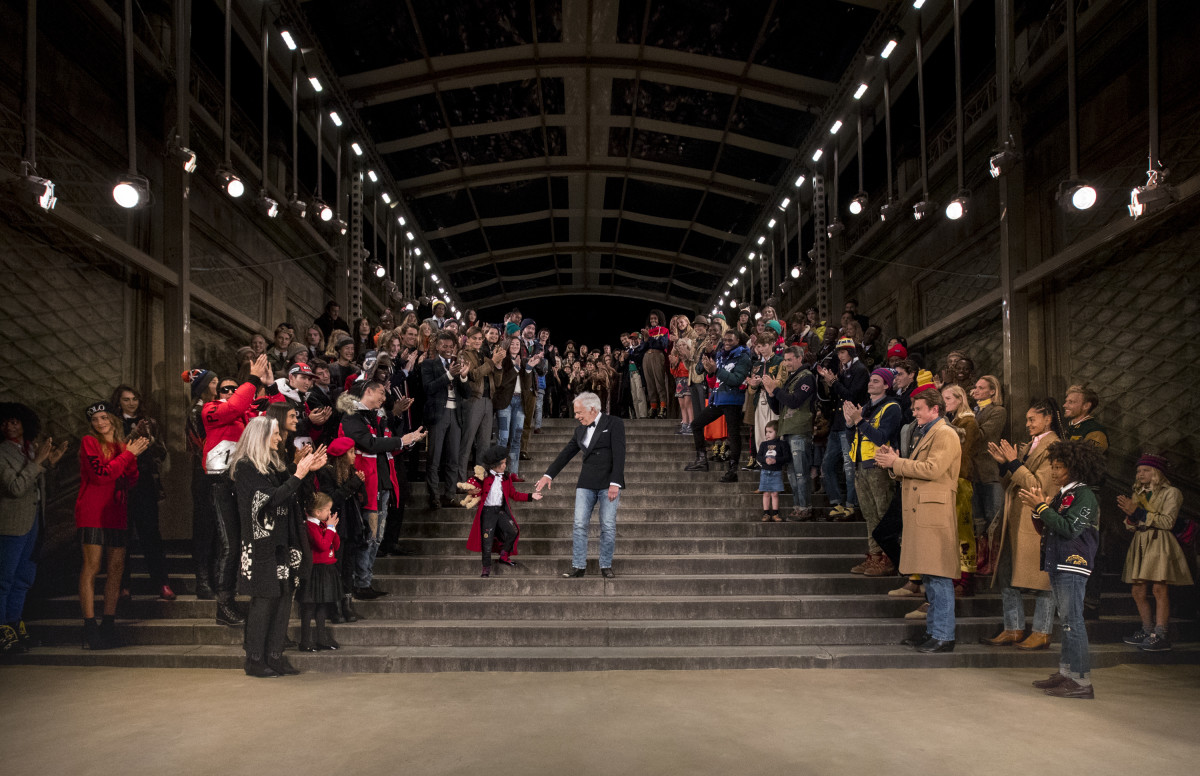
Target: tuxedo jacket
x: 435, y: 381
x: 603, y: 459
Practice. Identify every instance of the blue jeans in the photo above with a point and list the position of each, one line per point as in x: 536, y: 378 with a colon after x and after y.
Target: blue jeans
x: 365, y: 557
x: 585, y: 499
x: 512, y: 425
x: 939, y: 591
x: 17, y: 571
x: 837, y: 447
x: 987, y: 499
x: 1068, y: 589
x: 801, y: 447
x: 1014, y: 607
x: 537, y: 408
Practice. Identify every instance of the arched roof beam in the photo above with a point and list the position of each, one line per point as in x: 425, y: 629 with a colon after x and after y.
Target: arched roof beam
x: 546, y: 249
x: 538, y: 215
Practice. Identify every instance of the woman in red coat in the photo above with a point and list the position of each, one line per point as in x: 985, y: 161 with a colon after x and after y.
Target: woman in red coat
x: 107, y: 470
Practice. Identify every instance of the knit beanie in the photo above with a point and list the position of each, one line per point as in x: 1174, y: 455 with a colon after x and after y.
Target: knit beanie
x: 774, y: 326
x: 1153, y: 461
x: 198, y: 380
x: 897, y: 350
x: 847, y: 343
x: 887, y: 375
x: 511, y: 329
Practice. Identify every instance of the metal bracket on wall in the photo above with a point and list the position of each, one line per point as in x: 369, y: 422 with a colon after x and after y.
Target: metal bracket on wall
x: 820, y: 247
x: 356, y: 244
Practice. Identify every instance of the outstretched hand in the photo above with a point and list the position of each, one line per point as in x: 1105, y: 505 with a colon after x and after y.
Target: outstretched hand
x: 544, y: 482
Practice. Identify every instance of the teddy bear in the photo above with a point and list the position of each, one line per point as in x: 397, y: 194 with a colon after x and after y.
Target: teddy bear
x: 473, y: 487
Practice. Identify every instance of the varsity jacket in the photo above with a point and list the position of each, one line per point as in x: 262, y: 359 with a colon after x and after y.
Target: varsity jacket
x: 1070, y: 529
x: 792, y: 402
x: 1089, y: 429
x: 732, y: 368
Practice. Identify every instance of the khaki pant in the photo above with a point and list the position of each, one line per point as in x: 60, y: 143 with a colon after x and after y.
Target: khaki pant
x: 875, y: 489
x: 638, y: 406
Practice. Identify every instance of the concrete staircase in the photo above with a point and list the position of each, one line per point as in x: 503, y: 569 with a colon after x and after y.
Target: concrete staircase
x: 701, y: 584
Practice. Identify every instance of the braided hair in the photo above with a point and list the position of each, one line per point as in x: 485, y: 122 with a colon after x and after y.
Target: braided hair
x: 1049, y: 407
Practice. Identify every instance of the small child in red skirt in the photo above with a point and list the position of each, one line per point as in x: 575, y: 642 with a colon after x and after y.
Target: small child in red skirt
x: 324, y: 588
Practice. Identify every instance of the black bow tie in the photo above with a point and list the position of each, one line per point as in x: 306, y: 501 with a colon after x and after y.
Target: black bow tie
x: 591, y: 425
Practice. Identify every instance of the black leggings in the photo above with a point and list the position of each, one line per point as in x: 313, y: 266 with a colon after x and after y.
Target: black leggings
x: 143, y: 518
x: 733, y: 420
x: 309, y: 612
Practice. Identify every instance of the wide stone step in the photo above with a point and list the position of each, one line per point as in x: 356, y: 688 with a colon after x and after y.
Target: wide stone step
x: 540, y: 513
x: 561, y: 528
x: 638, y: 498
x: 487, y: 605
x: 483, y: 633
x: 670, y: 658
x: 677, y: 546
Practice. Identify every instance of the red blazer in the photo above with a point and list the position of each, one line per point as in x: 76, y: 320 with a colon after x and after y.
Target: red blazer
x: 103, y: 483
x: 323, y: 540
x: 474, y: 540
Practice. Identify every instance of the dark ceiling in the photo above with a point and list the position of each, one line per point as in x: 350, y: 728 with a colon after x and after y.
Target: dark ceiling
x: 582, y: 146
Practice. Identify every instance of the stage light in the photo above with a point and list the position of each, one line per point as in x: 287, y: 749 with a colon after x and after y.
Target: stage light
x: 187, y: 157
x: 1076, y: 195
x: 408, y: 307
x: 357, y: 149
x: 288, y: 40
x: 733, y: 303
x: 337, y: 120
x: 837, y: 126
x: 417, y: 252
x: 41, y: 189
x: 742, y: 270
x: 132, y: 191
x: 859, y: 203
x: 316, y: 83
x: 269, y: 206
x: 835, y: 228
x: 761, y: 239
x: 427, y: 265
x: 323, y: 211
x: 231, y: 183
x: 1146, y: 199
x: 918, y: 3
x: 400, y: 220
x: 958, y: 206
x: 888, y: 48
x: 757, y: 316
x: 441, y: 290
x: 795, y: 271
x: 371, y: 174
x: 784, y: 204
x: 734, y: 282
x: 380, y: 271
x: 1002, y: 161
x: 297, y: 207
x: 799, y: 181
x: 751, y: 256
x: 341, y: 226
x: 434, y: 278
x: 890, y: 210
x: 410, y: 236
x: 923, y: 210
x: 816, y: 157
x: 860, y: 91
x: 387, y: 198
x: 771, y: 224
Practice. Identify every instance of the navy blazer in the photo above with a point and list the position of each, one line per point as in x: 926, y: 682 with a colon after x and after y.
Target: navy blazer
x: 603, y: 460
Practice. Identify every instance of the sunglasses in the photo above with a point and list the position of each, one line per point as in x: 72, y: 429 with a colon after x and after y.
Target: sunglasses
x: 227, y: 389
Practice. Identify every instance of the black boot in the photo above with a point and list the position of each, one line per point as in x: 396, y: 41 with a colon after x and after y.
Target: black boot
x: 698, y: 465
x: 91, y: 635
x: 348, y: 609
x: 256, y: 667
x: 204, y: 591
x: 731, y: 474
x: 280, y: 665
x: 109, y: 637
x: 226, y: 614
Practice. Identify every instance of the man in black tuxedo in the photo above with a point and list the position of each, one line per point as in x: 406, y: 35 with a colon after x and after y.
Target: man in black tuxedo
x: 444, y: 379
x: 601, y: 439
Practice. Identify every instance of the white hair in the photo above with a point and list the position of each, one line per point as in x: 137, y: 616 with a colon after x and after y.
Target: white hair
x: 256, y: 448
x: 589, y: 400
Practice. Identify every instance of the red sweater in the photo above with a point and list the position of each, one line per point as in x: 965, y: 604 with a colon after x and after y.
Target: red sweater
x: 103, y: 483
x: 223, y: 425
x: 323, y: 541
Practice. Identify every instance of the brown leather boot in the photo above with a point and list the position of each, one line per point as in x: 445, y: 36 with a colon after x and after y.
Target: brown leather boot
x: 881, y: 566
x: 862, y: 567
x: 1035, y: 641
x: 1004, y: 638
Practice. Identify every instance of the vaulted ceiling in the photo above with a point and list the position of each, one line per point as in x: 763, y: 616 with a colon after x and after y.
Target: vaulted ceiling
x: 568, y: 146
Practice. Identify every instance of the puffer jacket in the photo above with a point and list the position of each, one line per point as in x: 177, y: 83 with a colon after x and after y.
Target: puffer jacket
x: 732, y: 368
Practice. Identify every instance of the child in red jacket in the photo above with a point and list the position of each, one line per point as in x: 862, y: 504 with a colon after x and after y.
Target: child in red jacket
x: 323, y: 588
x: 494, y: 517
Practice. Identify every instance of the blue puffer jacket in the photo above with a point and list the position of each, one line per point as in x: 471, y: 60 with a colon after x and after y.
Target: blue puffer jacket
x: 732, y: 368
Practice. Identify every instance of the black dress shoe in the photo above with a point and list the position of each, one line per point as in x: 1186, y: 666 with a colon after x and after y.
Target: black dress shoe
x: 280, y: 665
x: 327, y: 644
x: 204, y: 591
x: 433, y: 504
x: 915, y: 641
x: 376, y: 593
x: 573, y: 573
x: 306, y: 646
x: 258, y: 669
x: 936, y: 645
x: 607, y: 573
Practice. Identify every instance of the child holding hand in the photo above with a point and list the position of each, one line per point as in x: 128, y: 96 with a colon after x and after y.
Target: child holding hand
x: 494, y: 518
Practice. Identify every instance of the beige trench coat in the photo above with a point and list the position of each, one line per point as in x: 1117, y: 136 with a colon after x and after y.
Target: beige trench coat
x: 929, y: 485
x: 1017, y: 534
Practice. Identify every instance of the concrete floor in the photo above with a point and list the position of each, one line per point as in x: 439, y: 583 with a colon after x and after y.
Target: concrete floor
x: 179, y: 722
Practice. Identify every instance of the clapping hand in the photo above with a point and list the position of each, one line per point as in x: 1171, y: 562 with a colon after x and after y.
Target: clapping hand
x: 1032, y: 496
x: 412, y: 437
x: 402, y: 404
x: 318, y: 417
x: 261, y: 368
x: 57, y: 453
x: 886, y: 455
x: 710, y: 366
x: 302, y: 451
x: 1003, y: 452
x: 770, y: 383
x: 853, y: 413
x: 1126, y: 504
x: 138, y: 446
x: 319, y: 457
x: 43, y: 450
